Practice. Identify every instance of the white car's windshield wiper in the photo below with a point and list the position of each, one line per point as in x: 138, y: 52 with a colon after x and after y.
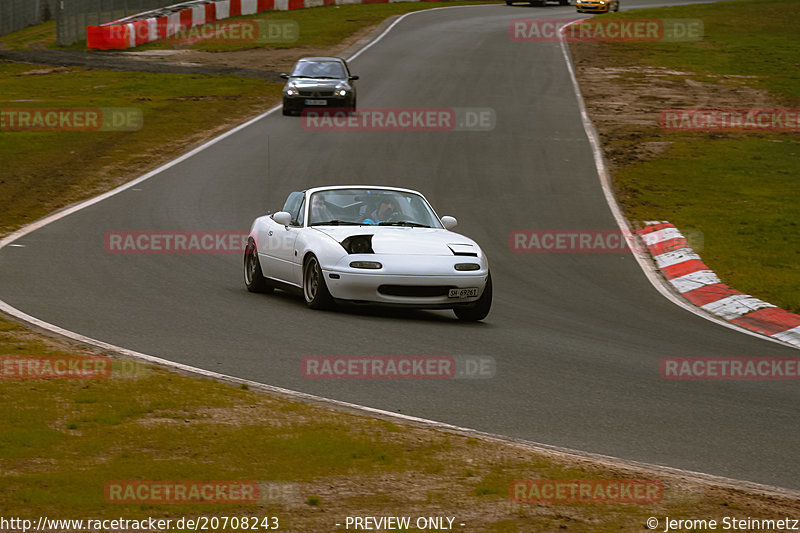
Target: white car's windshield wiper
x: 335, y: 223
x: 404, y: 223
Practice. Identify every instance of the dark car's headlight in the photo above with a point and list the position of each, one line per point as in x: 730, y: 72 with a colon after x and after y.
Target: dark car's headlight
x: 291, y: 90
x: 341, y: 90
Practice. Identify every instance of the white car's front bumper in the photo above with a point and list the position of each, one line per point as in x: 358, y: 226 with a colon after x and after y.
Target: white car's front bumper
x: 407, y: 280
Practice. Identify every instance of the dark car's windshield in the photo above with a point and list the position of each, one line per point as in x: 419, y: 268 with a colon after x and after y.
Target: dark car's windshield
x: 319, y: 69
x: 371, y: 207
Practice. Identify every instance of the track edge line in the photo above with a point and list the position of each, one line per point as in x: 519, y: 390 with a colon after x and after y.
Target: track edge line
x: 546, y: 449
x: 642, y: 258
x: 558, y: 452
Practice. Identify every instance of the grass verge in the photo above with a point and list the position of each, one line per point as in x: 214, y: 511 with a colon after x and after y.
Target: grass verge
x: 43, y: 171
x: 64, y: 441
x: 739, y: 189
x: 318, y: 26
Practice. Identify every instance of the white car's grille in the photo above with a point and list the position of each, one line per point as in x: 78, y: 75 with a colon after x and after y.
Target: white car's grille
x: 415, y: 291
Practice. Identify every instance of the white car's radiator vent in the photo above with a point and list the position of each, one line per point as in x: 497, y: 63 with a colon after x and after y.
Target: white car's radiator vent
x: 463, y: 249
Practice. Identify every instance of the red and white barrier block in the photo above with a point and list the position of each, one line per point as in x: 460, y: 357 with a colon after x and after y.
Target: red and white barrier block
x: 165, y: 22
x: 687, y: 273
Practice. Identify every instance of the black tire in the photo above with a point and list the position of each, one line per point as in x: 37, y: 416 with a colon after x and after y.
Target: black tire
x: 481, y: 307
x: 616, y: 5
x: 254, y: 279
x: 563, y: 2
x: 509, y: 3
x: 315, y: 291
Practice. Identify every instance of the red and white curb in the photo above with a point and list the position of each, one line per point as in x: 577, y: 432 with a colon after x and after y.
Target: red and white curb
x: 690, y: 277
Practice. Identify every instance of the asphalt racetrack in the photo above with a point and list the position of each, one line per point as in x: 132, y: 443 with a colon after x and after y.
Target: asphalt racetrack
x: 577, y: 338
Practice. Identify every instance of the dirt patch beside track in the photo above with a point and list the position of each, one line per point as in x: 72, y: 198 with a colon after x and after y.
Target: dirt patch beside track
x: 625, y: 98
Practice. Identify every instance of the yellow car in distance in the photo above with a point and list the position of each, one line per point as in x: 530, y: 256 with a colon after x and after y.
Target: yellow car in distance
x: 597, y: 6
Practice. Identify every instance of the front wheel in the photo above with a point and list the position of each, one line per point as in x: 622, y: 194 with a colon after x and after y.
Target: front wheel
x: 254, y: 279
x: 481, y: 307
x: 315, y: 290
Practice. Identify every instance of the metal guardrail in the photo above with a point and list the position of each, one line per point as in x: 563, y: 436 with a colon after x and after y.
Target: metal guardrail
x: 19, y: 14
x: 74, y: 16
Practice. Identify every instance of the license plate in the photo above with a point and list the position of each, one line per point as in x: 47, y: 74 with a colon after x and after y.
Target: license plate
x: 462, y: 293
x: 316, y: 102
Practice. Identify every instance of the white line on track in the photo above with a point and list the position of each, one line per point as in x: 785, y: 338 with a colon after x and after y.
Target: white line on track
x: 555, y: 451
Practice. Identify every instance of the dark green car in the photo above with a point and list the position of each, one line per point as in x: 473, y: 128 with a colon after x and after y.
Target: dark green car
x: 319, y: 82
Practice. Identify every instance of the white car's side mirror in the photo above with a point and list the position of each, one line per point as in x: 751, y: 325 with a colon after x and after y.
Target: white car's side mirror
x: 449, y: 222
x: 282, y: 217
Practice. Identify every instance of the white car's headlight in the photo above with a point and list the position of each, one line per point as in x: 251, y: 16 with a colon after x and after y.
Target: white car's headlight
x: 372, y: 265
x: 467, y: 266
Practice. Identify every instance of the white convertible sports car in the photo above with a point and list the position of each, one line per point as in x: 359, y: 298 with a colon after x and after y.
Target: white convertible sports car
x: 368, y: 245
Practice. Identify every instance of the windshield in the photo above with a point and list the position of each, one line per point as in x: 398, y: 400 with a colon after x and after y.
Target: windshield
x: 319, y: 69
x: 374, y: 207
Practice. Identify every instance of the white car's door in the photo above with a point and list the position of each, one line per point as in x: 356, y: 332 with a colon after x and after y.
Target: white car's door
x: 281, y: 241
x: 266, y: 246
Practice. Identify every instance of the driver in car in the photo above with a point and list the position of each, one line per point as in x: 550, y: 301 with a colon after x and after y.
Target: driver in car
x: 383, y: 212
x: 319, y: 210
